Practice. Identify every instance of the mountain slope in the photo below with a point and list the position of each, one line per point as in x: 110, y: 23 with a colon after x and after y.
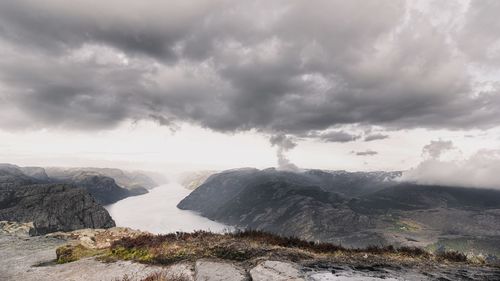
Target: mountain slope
x: 355, y: 209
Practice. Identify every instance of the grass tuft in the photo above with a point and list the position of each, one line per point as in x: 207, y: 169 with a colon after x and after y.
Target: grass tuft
x: 70, y: 253
x: 237, y: 246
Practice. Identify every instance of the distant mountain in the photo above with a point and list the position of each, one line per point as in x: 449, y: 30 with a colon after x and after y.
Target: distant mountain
x: 105, y: 184
x: 65, y: 199
x: 354, y: 209
x: 12, y: 175
x: 126, y: 179
x: 191, y: 180
x: 35, y: 172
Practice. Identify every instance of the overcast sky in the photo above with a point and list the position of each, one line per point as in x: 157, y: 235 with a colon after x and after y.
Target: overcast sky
x: 357, y: 85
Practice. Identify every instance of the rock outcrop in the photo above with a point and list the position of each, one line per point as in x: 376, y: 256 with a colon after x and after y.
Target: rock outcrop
x: 277, y: 271
x: 219, y: 271
x: 52, y: 207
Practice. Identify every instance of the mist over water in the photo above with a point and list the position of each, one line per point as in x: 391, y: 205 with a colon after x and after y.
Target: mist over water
x: 156, y: 212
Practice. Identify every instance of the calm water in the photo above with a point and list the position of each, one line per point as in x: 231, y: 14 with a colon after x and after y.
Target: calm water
x: 156, y: 212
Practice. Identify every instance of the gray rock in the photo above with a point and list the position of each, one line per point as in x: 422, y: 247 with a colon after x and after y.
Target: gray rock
x: 276, y: 271
x: 218, y: 271
x: 31, y: 259
x: 52, y: 207
x: 17, y: 228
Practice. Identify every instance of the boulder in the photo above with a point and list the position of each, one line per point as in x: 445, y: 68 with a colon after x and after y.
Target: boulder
x: 276, y: 271
x: 218, y: 271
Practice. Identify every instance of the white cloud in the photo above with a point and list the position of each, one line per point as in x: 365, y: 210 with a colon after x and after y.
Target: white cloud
x: 482, y: 170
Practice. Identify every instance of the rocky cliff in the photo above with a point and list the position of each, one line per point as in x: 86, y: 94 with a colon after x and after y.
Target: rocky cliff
x: 48, y: 206
x: 52, y: 207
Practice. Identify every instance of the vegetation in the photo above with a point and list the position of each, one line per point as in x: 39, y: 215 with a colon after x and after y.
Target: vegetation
x: 69, y: 253
x: 241, y: 246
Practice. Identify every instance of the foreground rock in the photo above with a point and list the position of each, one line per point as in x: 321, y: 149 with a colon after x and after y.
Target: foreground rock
x: 276, y: 270
x: 16, y: 228
x: 34, y: 259
x: 219, y: 271
x: 52, y: 207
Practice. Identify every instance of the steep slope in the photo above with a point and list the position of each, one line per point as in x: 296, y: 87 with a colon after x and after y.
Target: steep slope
x: 52, y: 207
x: 103, y: 189
x: 125, y: 179
x: 355, y: 209
x: 11, y: 175
x: 36, y: 172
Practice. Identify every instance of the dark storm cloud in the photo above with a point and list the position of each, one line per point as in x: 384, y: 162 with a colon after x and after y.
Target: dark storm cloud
x: 336, y: 136
x: 280, y: 67
x: 376, y: 136
x: 480, y: 38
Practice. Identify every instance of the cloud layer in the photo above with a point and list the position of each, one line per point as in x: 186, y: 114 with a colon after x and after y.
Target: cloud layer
x: 479, y: 170
x: 278, y: 67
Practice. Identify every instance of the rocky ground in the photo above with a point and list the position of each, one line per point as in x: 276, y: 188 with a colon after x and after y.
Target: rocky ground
x: 34, y: 258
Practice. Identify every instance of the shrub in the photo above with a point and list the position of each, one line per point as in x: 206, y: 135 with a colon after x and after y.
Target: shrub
x: 453, y: 256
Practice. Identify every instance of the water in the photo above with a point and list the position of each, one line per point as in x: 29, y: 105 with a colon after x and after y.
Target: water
x: 156, y: 212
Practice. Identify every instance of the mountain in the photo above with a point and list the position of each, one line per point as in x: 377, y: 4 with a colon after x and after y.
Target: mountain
x: 35, y: 172
x: 107, y: 185
x: 102, y: 187
x: 125, y: 179
x: 191, y: 180
x: 11, y: 175
x: 353, y: 209
x: 49, y: 206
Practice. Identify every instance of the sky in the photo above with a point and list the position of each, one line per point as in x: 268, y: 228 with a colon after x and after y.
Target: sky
x: 354, y: 85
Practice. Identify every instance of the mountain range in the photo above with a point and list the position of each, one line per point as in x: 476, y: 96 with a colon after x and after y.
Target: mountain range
x: 58, y: 199
x: 355, y: 209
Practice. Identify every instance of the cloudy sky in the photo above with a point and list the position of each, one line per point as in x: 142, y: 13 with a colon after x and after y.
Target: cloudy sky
x: 356, y: 85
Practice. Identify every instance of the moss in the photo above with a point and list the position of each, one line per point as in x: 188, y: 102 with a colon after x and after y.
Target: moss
x: 136, y: 254
x: 70, y: 253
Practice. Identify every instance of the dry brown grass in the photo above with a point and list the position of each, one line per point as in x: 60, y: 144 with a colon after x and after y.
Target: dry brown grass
x: 245, y: 246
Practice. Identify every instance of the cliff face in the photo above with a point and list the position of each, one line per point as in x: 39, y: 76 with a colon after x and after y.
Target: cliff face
x: 52, y: 207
